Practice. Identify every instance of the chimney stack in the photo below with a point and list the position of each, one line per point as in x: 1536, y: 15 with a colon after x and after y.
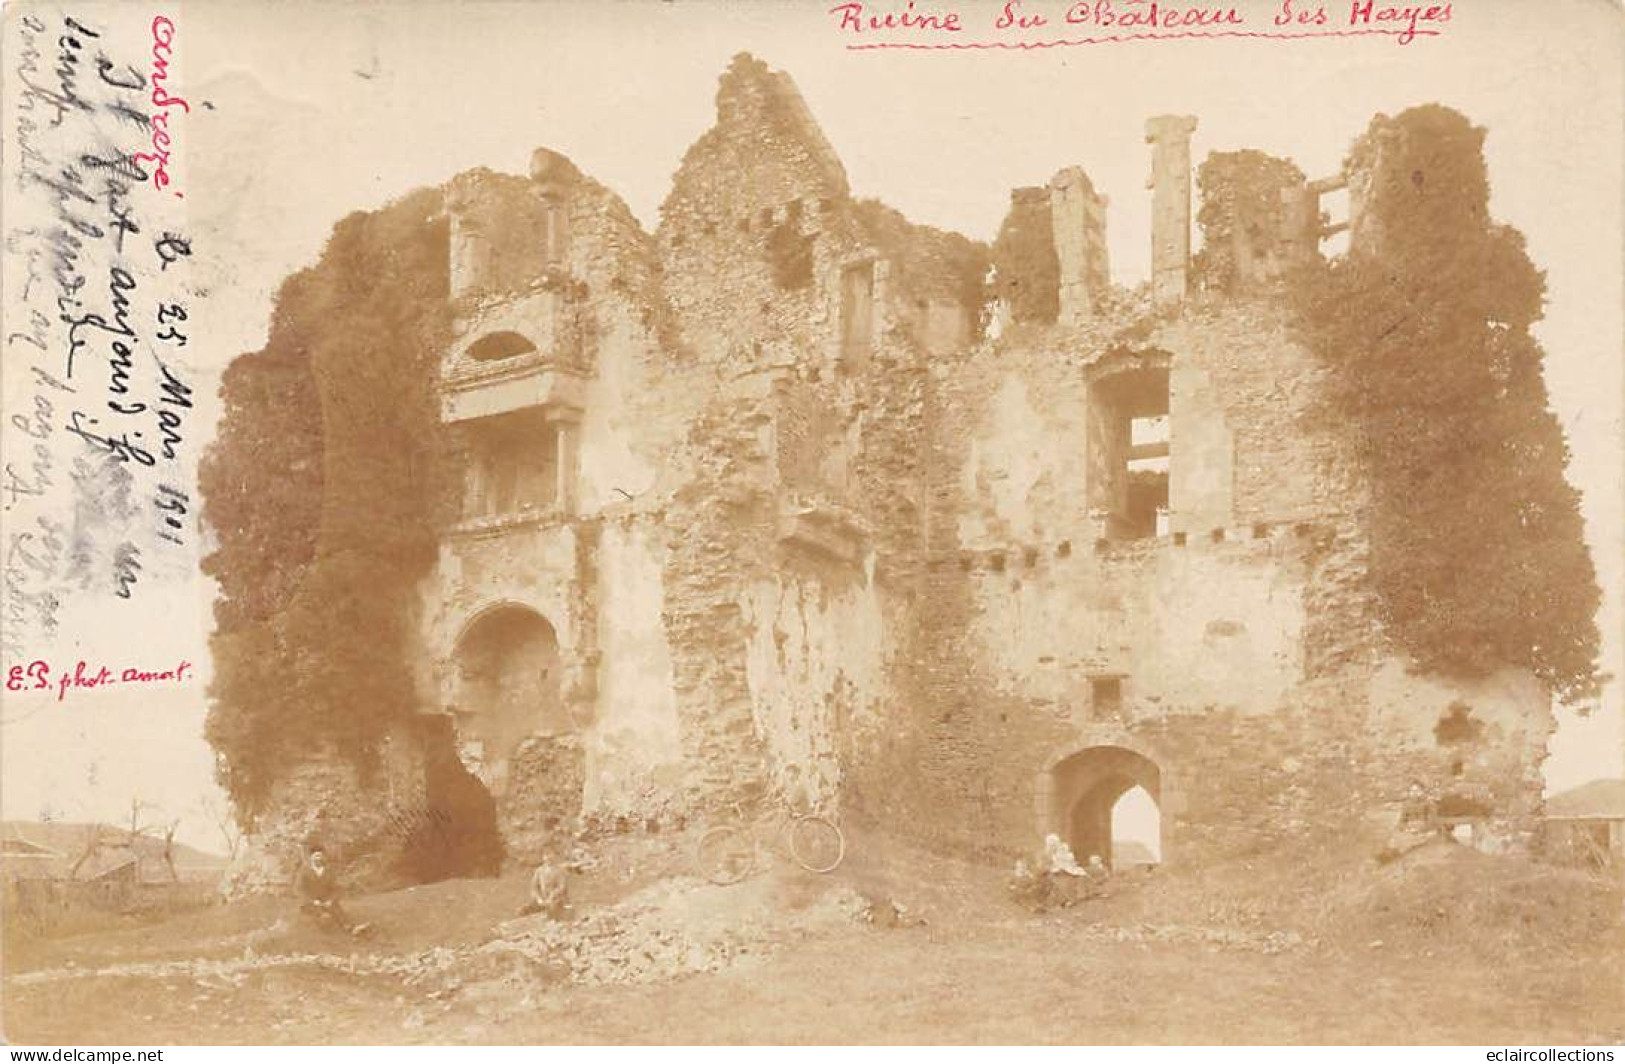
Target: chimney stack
x: 1170, y: 184
x: 1078, y: 218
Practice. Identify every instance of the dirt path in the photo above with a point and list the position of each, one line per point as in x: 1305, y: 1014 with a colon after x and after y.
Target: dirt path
x: 1018, y: 981
x: 1451, y: 949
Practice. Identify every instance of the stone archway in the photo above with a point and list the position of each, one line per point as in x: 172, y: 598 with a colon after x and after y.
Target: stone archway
x: 1085, y: 787
x: 507, y: 686
x: 513, y: 728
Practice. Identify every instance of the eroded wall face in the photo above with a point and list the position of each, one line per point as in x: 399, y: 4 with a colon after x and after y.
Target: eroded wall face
x: 815, y: 657
x: 634, y: 765
x: 1474, y: 747
x: 711, y: 557
x: 368, y: 821
x: 803, y: 520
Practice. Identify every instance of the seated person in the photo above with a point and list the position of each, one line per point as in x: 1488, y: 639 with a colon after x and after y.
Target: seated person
x: 1416, y: 825
x: 318, y: 890
x: 1029, y: 890
x: 549, y: 892
x: 1065, y: 879
x: 1061, y: 859
x: 1097, y: 875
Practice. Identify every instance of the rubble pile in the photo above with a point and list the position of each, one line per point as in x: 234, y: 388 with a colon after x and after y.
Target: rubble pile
x: 672, y: 928
x: 1212, y: 937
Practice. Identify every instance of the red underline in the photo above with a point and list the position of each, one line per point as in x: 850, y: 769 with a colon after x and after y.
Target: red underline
x: 1027, y: 45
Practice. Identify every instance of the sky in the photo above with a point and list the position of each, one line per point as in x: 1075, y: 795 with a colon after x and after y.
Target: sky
x: 318, y: 110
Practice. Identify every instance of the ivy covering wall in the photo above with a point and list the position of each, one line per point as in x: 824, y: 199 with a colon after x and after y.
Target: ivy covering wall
x: 1242, y: 205
x: 324, y: 489
x: 1478, y: 551
x: 1027, y: 273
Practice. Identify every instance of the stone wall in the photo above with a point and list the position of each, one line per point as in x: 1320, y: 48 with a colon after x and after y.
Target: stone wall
x: 1240, y: 644
x: 823, y: 536
x: 365, y: 822
x: 818, y: 311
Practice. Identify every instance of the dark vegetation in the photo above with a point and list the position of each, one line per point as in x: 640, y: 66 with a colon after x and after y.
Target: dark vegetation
x: 1478, y: 555
x: 932, y: 263
x: 324, y: 489
x: 1241, y: 198
x: 1027, y: 272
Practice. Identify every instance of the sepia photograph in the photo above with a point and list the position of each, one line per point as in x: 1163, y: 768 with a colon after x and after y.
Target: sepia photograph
x: 705, y: 522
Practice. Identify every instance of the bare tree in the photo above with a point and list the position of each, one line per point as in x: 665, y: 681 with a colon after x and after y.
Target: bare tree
x: 93, y: 846
x: 169, y: 850
x: 137, y: 829
x: 220, y: 813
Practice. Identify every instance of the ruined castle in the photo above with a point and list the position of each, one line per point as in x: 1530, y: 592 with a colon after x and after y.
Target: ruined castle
x: 795, y: 501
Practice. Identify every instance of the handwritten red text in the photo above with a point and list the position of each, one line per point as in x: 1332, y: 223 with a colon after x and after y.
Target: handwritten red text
x: 1366, y: 12
x: 163, y: 44
x: 39, y: 676
x: 1024, y: 24
x: 854, y: 17
x: 1149, y: 16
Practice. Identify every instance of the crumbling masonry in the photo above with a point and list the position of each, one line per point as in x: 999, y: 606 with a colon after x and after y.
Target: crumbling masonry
x: 795, y: 500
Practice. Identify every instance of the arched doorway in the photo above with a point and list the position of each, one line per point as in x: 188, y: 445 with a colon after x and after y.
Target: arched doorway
x: 507, y: 688
x: 513, y: 729
x: 1087, y: 788
x: 457, y: 835
x: 1136, y: 830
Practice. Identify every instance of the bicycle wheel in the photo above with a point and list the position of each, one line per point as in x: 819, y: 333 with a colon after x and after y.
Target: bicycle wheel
x: 724, y: 854
x: 816, y: 843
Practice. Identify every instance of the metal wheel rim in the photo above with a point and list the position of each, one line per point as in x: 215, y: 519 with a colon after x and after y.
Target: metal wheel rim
x: 706, y: 850
x: 831, y: 830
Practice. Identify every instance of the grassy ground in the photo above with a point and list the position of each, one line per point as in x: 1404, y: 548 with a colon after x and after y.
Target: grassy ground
x: 1447, y: 946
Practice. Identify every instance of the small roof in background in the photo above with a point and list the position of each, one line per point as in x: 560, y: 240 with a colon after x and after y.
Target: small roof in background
x: 1601, y: 799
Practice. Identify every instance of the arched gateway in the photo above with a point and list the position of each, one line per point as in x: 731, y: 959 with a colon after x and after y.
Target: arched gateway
x: 507, y: 687
x: 1084, y: 788
x: 512, y: 729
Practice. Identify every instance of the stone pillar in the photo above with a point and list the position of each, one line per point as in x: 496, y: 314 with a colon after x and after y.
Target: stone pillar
x: 1078, y: 215
x: 555, y: 178
x: 580, y: 688
x: 565, y: 424
x: 1170, y: 184
x: 470, y: 243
